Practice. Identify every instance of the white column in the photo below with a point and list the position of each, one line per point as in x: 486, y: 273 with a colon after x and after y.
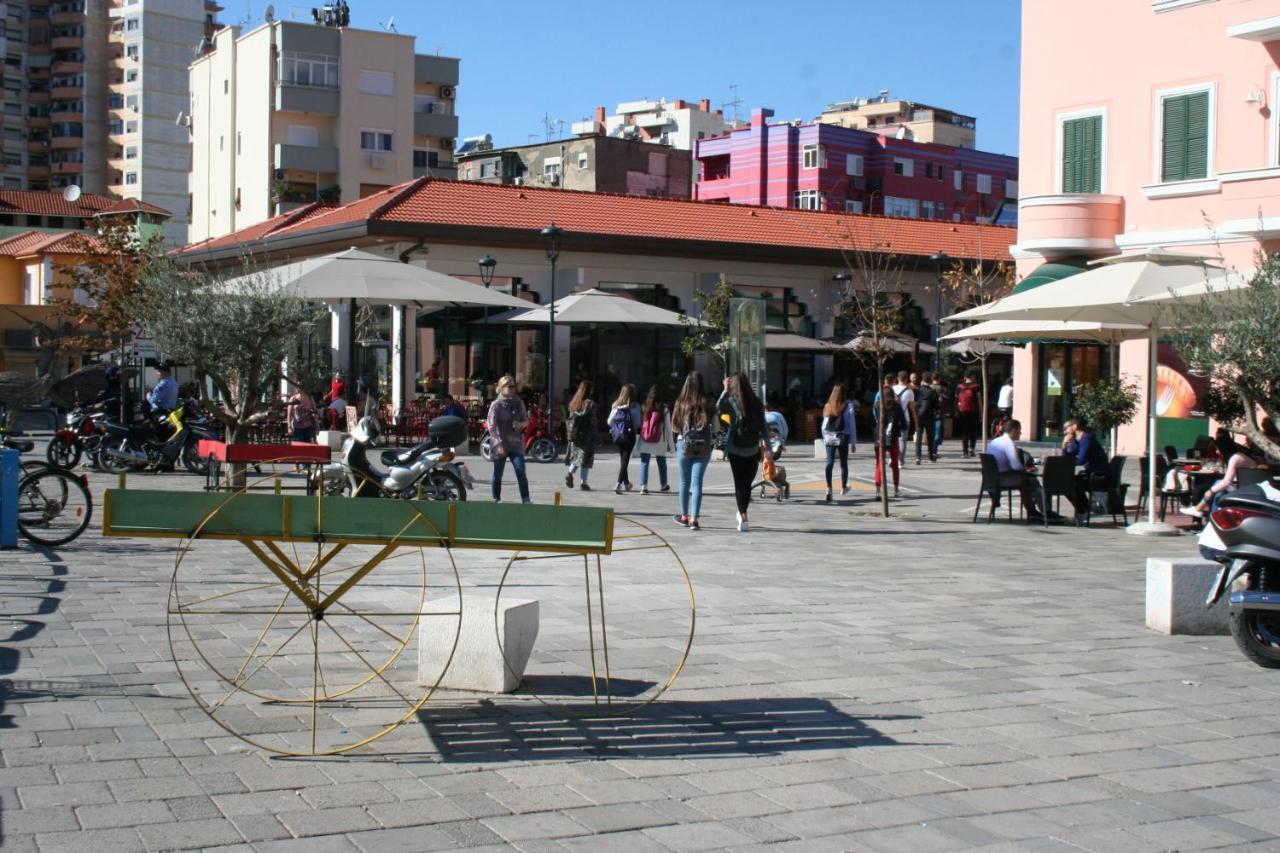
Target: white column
x: 340, y: 339
x: 397, y: 358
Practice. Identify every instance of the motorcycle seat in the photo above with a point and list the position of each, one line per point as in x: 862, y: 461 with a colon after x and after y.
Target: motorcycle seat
x: 404, y: 457
x: 22, y: 445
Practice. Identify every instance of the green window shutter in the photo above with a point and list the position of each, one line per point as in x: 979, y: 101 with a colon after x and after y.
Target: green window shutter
x: 1185, y: 145
x: 1082, y: 155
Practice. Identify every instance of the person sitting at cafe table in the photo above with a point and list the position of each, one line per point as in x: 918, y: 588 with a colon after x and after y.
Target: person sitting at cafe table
x: 1081, y: 444
x: 1014, y: 473
x: 1236, y: 457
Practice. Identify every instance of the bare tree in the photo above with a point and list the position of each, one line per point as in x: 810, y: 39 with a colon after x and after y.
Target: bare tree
x: 969, y: 285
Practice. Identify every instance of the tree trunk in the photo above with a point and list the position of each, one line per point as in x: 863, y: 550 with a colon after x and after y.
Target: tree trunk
x: 986, y: 403
x: 882, y: 442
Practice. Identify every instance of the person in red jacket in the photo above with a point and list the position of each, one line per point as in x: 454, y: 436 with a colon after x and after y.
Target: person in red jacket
x: 969, y: 413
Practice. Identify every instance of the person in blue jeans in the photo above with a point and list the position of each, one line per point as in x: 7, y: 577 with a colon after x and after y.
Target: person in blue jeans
x: 691, y: 421
x: 839, y: 436
x: 507, y: 417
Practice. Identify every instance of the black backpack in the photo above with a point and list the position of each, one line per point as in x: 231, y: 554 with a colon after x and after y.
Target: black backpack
x: 926, y: 402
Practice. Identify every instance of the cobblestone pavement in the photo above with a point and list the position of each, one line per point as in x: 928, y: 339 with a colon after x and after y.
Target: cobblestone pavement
x: 913, y: 684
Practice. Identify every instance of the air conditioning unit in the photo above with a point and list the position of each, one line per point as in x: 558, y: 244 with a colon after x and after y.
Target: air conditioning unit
x: 447, y: 142
x: 378, y: 161
x: 446, y: 91
x: 519, y: 181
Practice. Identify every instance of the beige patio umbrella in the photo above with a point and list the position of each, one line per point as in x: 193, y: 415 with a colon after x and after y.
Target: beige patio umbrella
x: 1129, y: 290
x: 599, y: 308
x: 778, y: 341
x: 865, y: 342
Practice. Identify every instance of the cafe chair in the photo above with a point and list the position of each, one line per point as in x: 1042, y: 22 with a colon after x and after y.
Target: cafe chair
x: 1113, y: 491
x: 1058, y: 478
x: 1177, y: 497
x: 991, y: 488
x: 1170, y: 453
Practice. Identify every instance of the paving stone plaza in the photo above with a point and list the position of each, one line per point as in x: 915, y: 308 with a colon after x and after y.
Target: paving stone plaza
x: 913, y: 684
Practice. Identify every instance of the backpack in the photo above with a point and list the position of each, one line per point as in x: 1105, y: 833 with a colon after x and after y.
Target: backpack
x: 697, y: 440
x: 621, y: 428
x: 967, y: 399
x: 926, y: 403
x: 651, y: 432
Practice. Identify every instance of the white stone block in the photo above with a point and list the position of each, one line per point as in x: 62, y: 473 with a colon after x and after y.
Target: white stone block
x: 331, y: 438
x: 1176, y: 594
x: 477, y: 662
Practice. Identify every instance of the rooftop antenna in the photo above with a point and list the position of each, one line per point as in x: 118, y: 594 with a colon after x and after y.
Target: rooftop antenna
x: 390, y: 25
x: 735, y: 103
x: 549, y: 125
x: 269, y: 14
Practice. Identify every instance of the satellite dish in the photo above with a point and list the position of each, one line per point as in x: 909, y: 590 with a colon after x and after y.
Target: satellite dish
x: 270, y: 14
x: 902, y: 133
x: 71, y: 194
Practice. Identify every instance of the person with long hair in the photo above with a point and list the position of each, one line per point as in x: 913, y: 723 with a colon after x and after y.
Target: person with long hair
x: 742, y: 415
x: 624, y: 425
x: 580, y: 429
x: 839, y: 435
x: 691, y: 420
x: 506, y: 420
x: 655, y: 439
x: 888, y: 434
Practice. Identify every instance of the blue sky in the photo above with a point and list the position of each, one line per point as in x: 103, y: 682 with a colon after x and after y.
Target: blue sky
x: 523, y: 60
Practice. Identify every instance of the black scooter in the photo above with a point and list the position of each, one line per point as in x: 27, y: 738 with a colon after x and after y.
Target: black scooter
x: 1243, y: 534
x: 150, y: 443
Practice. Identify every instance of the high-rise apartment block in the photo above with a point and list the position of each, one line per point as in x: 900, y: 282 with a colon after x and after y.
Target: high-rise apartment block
x: 292, y: 113
x: 92, y: 89
x: 889, y: 116
x: 677, y: 123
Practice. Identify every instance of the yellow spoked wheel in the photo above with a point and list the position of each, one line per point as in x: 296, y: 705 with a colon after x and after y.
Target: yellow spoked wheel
x: 299, y: 647
x: 629, y: 619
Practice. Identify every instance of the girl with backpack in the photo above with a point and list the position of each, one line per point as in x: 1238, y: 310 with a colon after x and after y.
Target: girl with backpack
x: 691, y: 420
x: 624, y: 424
x: 887, y: 435
x: 655, y: 439
x: 839, y: 435
x: 580, y: 428
x: 743, y: 416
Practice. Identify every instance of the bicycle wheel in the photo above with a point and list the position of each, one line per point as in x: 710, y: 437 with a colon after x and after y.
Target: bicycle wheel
x: 54, y: 507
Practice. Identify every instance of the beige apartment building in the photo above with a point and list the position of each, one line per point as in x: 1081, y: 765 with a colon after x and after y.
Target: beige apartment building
x: 91, y: 91
x: 291, y: 113
x: 890, y: 116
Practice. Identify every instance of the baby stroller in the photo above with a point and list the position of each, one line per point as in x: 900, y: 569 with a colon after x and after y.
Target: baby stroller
x: 775, y: 479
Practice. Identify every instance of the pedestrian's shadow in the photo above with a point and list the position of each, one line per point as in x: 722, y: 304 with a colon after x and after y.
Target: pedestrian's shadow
x: 498, y: 731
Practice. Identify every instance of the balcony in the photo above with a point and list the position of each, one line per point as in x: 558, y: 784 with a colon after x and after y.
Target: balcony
x: 38, y: 121
x: 306, y: 158
x: 435, y: 124
x: 448, y: 171
x: 38, y: 97
x: 435, y: 69
x: 306, y: 99
x: 60, y: 116
x: 67, y: 93
x: 68, y: 66
x: 66, y: 42
x: 67, y: 18
x: 66, y: 168
x: 66, y: 143
x: 34, y: 146
x: 1069, y: 224
x: 39, y: 63
x: 38, y: 171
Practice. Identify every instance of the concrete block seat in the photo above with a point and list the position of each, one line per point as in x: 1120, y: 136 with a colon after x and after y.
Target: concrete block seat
x: 1176, y: 592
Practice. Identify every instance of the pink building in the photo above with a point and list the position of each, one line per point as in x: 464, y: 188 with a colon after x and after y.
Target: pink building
x: 1145, y: 123
x: 822, y: 166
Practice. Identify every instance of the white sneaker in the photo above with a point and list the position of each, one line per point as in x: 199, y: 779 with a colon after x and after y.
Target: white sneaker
x: 743, y: 527
x: 1193, y: 511
x: 737, y: 516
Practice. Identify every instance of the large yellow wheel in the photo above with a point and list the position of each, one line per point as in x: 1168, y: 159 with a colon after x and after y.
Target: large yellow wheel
x: 299, y: 648
x: 630, y: 614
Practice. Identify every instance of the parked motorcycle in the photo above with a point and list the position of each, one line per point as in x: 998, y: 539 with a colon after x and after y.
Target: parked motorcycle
x: 82, y: 434
x: 428, y: 470
x: 201, y: 426
x: 1243, y: 534
x: 538, y: 443
x: 144, y: 444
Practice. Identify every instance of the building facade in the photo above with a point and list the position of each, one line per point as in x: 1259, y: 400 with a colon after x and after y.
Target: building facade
x: 91, y: 92
x: 828, y: 167
x: 1167, y: 137
x: 292, y: 113
x: 890, y: 116
x: 591, y: 163
x: 677, y: 123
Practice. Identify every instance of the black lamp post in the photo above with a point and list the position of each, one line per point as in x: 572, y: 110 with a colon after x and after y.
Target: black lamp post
x: 551, y: 235
x: 941, y: 261
x: 487, y: 265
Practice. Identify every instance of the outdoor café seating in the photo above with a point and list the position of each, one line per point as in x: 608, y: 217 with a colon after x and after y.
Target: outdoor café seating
x: 992, y: 489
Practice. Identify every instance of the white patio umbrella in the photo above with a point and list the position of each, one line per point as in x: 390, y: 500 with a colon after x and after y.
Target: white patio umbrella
x: 596, y: 307
x: 788, y: 342
x: 865, y: 342
x: 970, y: 346
x: 373, y: 280
x: 1047, y: 330
x: 1130, y: 290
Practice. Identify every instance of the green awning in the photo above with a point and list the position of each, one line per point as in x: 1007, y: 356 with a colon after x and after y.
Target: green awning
x: 1046, y: 273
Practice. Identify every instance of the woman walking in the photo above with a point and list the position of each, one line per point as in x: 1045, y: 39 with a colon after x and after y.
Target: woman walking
x: 624, y: 424
x: 507, y: 417
x: 580, y: 428
x: 655, y: 439
x: 839, y: 435
x: 691, y: 420
x: 302, y: 416
x: 743, y: 415
x: 887, y: 435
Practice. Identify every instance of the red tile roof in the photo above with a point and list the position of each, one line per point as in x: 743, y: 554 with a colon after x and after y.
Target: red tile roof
x: 47, y: 243
x: 133, y: 205
x: 468, y: 204
x: 41, y: 203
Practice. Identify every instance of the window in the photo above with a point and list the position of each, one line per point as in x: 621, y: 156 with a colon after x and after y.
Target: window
x: 852, y: 206
x: 131, y: 152
x: 583, y: 160
x: 907, y: 207
x: 815, y: 156
x: 1010, y: 188
x: 1184, y: 137
x: 928, y: 170
x: 132, y: 52
x: 853, y: 164
x: 304, y: 134
x: 130, y: 24
x: 377, y: 82
x: 309, y: 69
x: 420, y: 158
x: 131, y: 76
x: 130, y: 178
x: 131, y: 126
x: 984, y: 184
x: 114, y: 125
x: 809, y: 200
x: 942, y: 172
x: 487, y: 169
x: 131, y: 102
x: 903, y: 166
x: 928, y: 209
x: 551, y: 169
x: 959, y: 179
x: 115, y: 101
x: 375, y: 140
x: 1082, y: 154
x: 425, y: 104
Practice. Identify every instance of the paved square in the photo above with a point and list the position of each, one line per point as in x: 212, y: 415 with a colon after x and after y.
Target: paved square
x: 917, y: 683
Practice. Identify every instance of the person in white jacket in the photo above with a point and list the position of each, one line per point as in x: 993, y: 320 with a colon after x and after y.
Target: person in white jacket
x: 654, y: 440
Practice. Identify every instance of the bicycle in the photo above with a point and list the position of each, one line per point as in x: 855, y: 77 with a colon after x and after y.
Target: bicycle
x: 54, y: 505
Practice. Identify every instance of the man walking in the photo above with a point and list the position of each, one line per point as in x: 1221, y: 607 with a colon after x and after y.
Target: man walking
x: 968, y: 413
x: 926, y: 413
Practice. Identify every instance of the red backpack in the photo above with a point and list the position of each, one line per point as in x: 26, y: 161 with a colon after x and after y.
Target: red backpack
x: 651, y: 431
x: 967, y: 399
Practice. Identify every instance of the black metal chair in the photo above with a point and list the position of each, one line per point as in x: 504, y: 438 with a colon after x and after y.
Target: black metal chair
x: 1177, y: 497
x: 1170, y: 453
x: 991, y: 488
x: 1145, y: 469
x: 1114, y: 488
x: 1057, y: 478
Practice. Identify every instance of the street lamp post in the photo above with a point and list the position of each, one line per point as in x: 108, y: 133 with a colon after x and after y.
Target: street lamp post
x: 940, y: 261
x: 551, y: 235
x: 487, y: 265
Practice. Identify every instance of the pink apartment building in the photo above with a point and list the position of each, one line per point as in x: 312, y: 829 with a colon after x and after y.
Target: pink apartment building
x: 1144, y: 123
